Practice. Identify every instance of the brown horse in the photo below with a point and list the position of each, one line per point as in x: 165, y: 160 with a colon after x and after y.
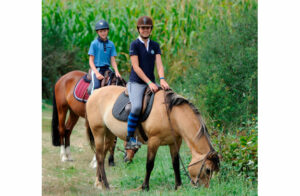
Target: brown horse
x: 171, y: 119
x: 64, y: 101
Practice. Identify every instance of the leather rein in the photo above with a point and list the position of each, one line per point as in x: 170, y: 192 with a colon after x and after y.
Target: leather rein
x: 201, y: 160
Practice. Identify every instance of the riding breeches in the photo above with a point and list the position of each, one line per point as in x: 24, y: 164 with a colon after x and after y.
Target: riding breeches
x: 136, y: 91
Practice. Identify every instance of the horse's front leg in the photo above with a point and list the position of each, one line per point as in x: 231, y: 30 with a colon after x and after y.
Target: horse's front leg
x: 175, y: 161
x: 153, y: 144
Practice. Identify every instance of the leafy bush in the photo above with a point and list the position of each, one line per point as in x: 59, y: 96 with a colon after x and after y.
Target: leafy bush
x: 57, y: 59
x: 224, y: 81
x: 239, y: 150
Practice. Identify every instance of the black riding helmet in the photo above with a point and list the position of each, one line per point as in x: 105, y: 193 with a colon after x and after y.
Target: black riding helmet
x: 101, y: 24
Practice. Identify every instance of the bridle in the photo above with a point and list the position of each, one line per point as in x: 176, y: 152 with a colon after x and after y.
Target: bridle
x: 201, y: 160
x: 202, y: 166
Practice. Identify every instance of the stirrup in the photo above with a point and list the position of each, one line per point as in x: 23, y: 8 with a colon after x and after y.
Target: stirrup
x: 132, y: 145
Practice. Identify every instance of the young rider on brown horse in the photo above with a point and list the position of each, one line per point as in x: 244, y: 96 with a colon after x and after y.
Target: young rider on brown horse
x: 144, y: 53
x: 102, y: 53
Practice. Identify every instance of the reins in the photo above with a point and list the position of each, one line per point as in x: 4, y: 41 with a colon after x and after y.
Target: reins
x: 176, y: 146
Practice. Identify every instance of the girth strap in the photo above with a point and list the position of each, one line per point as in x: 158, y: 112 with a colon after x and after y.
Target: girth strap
x: 142, y: 132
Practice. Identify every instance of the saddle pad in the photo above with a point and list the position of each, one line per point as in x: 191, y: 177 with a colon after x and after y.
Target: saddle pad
x: 80, y: 91
x: 121, y: 113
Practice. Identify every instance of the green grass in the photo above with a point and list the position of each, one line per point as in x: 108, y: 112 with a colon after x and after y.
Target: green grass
x: 77, y: 178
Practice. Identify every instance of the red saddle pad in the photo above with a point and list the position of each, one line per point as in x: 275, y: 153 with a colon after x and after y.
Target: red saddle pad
x: 80, y: 90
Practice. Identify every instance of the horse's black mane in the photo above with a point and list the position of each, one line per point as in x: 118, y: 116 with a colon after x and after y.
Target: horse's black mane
x: 173, y: 99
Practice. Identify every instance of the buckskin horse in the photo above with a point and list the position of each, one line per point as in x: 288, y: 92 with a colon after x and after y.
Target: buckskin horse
x: 172, y: 118
x: 64, y: 101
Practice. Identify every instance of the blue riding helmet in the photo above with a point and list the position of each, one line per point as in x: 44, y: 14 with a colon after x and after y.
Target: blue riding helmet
x: 101, y: 24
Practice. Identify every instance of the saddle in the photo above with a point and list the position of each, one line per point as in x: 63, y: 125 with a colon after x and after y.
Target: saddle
x: 122, y: 107
x: 108, y: 75
x: 84, y: 87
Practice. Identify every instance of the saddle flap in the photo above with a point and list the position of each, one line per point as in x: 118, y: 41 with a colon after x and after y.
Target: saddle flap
x: 119, y: 111
x: 146, y: 98
x: 122, y: 106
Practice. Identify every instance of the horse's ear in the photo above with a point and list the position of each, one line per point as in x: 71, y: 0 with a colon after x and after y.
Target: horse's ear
x: 214, y: 157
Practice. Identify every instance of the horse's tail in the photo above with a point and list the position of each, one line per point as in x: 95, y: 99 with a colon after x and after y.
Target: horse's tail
x: 89, y: 134
x: 55, y: 132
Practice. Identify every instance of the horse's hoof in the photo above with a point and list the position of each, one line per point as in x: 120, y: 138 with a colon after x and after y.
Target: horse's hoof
x: 70, y: 158
x: 98, y: 184
x: 64, y: 158
x: 111, y: 163
x: 145, y: 187
x: 178, y: 187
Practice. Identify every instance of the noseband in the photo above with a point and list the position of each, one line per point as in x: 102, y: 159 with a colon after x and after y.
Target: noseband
x: 202, y: 166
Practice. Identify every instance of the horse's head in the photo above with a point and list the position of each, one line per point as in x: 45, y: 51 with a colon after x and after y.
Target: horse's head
x: 202, y: 170
x: 203, y: 164
x: 129, y: 155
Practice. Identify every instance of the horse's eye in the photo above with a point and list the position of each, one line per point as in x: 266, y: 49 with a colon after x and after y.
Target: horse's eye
x: 207, y: 171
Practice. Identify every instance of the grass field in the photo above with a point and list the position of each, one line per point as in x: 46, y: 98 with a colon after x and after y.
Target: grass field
x: 77, y: 178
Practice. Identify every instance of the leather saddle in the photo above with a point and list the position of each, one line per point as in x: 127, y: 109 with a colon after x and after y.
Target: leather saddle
x: 108, y: 75
x: 122, y: 106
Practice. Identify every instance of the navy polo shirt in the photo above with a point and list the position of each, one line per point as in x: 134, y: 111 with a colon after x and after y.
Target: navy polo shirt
x: 146, y: 59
